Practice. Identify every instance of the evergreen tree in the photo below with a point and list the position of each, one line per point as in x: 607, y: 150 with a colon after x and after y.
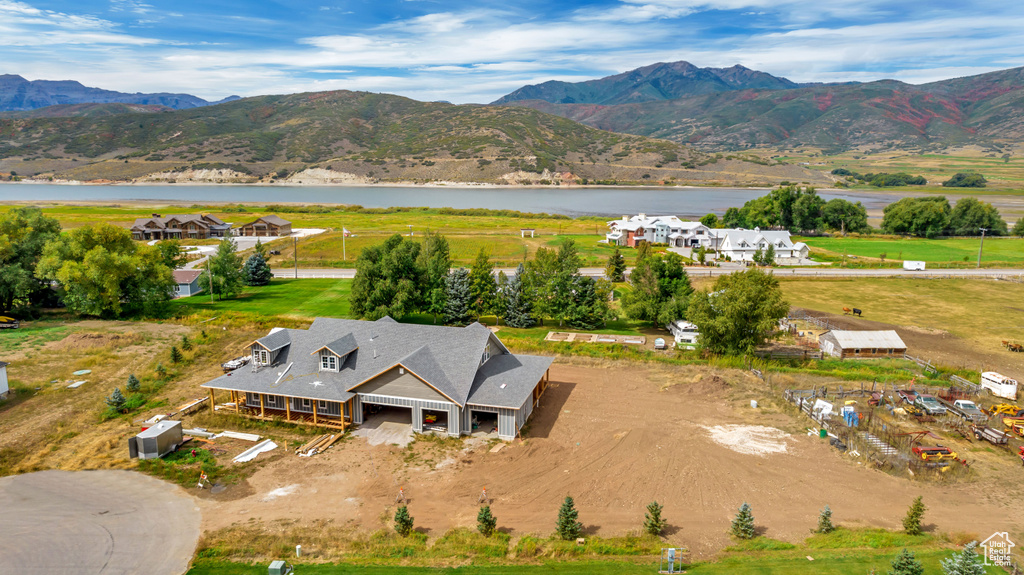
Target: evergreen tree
x: 588, y: 307
x: 403, y: 521
x: 261, y: 249
x: 186, y: 343
x: 161, y: 371
x: 256, y: 271
x: 906, y: 564
x: 643, y: 251
x: 483, y: 288
x: 743, y: 524
x: 133, y: 384
x: 116, y: 400
x: 912, y: 522
x: 615, y: 270
x: 1018, y: 228
x: 176, y: 356
x: 965, y: 562
x: 436, y: 262
x: 485, y: 522
x: 388, y: 280
x: 769, y: 256
x: 458, y: 299
x: 518, y: 307
x: 825, y: 525
x: 653, y: 523
x: 568, y: 526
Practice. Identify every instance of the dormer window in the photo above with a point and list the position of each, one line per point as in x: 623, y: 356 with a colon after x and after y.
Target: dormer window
x: 328, y: 362
x: 261, y: 356
x: 486, y: 355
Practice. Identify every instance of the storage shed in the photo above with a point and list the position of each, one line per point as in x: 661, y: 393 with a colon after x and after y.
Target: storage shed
x: 156, y: 441
x: 861, y: 344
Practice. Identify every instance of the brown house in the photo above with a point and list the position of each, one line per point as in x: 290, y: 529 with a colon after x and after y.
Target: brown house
x: 266, y: 226
x: 861, y: 344
x: 178, y: 227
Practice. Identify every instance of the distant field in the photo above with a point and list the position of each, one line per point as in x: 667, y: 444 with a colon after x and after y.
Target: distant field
x: 997, y: 251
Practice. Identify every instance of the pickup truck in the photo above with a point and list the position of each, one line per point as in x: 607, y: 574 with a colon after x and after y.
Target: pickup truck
x: 966, y: 410
x: 907, y: 395
x: 930, y: 404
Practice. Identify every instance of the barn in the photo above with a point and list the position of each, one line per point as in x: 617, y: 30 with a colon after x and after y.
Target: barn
x: 846, y: 344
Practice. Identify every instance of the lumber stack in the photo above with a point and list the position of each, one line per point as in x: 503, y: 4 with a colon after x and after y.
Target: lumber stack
x: 318, y: 445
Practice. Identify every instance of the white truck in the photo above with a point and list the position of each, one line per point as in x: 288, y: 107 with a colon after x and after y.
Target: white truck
x: 965, y: 409
x: 913, y: 265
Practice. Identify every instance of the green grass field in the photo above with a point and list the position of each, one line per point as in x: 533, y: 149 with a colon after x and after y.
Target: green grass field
x: 290, y: 298
x: 942, y: 252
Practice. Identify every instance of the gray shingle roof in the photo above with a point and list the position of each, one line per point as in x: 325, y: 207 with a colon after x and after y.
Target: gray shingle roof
x: 271, y: 219
x: 508, y: 380
x: 342, y: 346
x: 446, y: 357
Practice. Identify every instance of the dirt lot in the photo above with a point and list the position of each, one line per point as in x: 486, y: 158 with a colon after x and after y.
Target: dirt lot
x: 616, y: 438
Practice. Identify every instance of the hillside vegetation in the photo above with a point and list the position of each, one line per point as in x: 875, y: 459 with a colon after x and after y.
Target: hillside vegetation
x: 374, y: 136
x: 978, y: 110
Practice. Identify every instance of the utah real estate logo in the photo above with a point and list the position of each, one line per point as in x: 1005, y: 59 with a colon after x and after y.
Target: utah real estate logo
x: 997, y: 549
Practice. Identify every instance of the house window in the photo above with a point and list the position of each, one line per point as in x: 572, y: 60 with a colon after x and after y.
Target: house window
x: 486, y: 355
x: 307, y: 403
x: 328, y: 362
x: 321, y: 405
x: 261, y: 356
x: 856, y: 351
x: 272, y: 400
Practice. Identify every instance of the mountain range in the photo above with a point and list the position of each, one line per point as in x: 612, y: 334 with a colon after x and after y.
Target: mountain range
x: 359, y: 134
x: 736, y: 108
x: 19, y: 94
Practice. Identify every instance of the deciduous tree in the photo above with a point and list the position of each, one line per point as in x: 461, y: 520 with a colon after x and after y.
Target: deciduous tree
x: 970, y: 215
x: 925, y: 217
x: 23, y: 234
x: 741, y: 312
x: 388, y: 281
x: 844, y: 216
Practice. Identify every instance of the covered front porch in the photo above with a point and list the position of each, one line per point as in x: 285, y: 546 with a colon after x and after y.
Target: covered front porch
x: 315, y: 415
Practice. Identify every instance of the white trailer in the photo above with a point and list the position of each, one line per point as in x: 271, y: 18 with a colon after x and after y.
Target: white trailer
x: 999, y: 385
x: 913, y: 265
x: 156, y: 441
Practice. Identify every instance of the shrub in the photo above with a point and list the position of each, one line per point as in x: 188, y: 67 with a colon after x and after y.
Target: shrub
x: 653, y: 522
x: 912, y: 522
x: 186, y: 344
x: 906, y: 564
x: 743, y: 524
x: 825, y: 525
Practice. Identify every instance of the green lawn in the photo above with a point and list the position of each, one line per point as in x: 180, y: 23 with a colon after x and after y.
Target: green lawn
x: 998, y: 251
x: 303, y: 299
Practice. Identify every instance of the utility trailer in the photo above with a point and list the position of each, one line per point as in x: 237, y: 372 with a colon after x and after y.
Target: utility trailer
x: 991, y: 435
x: 999, y: 385
x: 156, y: 441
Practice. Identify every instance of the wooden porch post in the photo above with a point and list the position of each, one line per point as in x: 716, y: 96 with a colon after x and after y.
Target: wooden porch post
x: 213, y: 403
x: 287, y: 408
x: 237, y: 399
x: 261, y: 406
x: 314, y: 412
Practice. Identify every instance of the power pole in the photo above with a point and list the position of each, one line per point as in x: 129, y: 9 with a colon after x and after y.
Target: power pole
x: 982, y: 246
x: 295, y: 252
x: 209, y: 273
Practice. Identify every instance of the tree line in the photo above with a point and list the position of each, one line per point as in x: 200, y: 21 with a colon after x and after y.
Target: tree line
x: 100, y: 270
x: 932, y: 216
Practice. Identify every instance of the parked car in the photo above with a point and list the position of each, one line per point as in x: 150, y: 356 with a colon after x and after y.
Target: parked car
x: 659, y: 343
x: 930, y: 404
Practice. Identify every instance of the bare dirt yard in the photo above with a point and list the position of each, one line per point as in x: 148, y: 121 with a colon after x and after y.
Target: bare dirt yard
x: 616, y: 437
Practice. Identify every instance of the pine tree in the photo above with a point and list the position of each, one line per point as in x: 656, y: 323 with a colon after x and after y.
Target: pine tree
x: 518, y: 307
x: 133, y: 384
x: 568, y: 526
x: 186, y: 343
x: 176, y: 356
x: 116, y: 400
x: 653, y: 523
x: 912, y: 522
x: 485, y: 522
x: 161, y: 371
x: 825, y: 525
x: 482, y: 287
x: 403, y: 521
x: 906, y: 564
x: 769, y: 256
x: 743, y: 524
x: 256, y: 271
x: 260, y: 248
x: 435, y: 260
x: 457, y: 298
x: 615, y: 270
x: 966, y: 562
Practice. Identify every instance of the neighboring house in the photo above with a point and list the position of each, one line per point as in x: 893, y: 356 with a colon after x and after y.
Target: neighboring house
x: 338, y: 371
x: 186, y: 282
x: 861, y: 344
x: 740, y: 245
x: 4, y: 387
x: 685, y: 333
x: 265, y: 226
x: 178, y: 227
x: 670, y: 230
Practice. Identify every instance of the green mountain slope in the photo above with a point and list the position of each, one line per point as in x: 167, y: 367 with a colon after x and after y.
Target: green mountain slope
x: 369, y: 135
x: 661, y: 81
x: 976, y: 110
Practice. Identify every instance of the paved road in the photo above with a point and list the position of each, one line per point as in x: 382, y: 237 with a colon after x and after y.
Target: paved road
x: 95, y: 523
x: 307, y: 273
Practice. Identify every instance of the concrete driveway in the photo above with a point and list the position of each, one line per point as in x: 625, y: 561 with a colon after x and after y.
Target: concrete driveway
x: 96, y: 523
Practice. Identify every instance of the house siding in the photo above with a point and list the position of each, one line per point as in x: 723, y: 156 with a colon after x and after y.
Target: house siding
x: 417, y: 406
x: 396, y: 384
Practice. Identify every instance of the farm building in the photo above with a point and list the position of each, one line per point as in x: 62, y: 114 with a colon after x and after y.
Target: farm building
x: 266, y: 226
x: 4, y: 387
x: 861, y: 344
x: 186, y: 282
x: 339, y: 371
x: 178, y: 227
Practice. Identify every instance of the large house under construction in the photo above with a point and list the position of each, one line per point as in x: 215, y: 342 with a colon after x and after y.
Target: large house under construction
x: 338, y: 371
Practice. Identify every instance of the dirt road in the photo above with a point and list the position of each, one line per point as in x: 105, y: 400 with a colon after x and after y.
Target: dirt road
x: 615, y: 440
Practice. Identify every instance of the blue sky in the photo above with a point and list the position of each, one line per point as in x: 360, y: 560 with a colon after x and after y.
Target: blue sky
x: 476, y: 51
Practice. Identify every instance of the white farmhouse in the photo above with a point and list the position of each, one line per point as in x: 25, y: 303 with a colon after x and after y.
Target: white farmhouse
x: 740, y: 245
x: 670, y: 230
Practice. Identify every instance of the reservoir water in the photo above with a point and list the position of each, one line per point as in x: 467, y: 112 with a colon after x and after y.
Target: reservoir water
x: 569, y: 201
